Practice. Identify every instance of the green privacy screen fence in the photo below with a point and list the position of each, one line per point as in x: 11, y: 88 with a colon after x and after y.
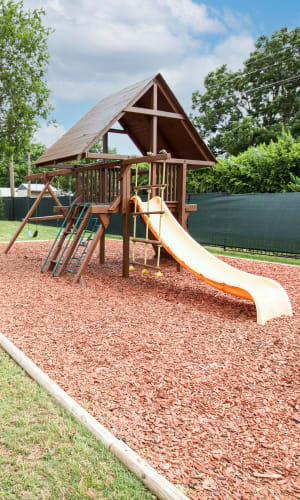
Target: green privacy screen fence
x: 262, y: 221
x: 268, y: 222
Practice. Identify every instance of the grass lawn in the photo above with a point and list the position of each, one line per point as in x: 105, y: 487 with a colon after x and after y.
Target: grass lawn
x: 45, y: 454
x: 8, y: 228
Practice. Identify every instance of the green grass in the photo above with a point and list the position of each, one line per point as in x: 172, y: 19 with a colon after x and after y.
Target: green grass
x: 45, y: 454
x: 8, y: 228
x: 253, y: 256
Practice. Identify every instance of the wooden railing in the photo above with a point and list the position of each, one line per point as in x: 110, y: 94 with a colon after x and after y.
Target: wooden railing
x: 99, y: 185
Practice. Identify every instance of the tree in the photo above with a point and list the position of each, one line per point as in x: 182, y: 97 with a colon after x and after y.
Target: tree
x: 24, y: 60
x: 251, y: 106
x: 20, y: 164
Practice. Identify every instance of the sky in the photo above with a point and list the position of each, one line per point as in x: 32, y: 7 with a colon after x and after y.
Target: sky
x: 101, y: 46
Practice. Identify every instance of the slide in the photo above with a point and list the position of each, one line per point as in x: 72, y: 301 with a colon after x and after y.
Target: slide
x: 270, y: 298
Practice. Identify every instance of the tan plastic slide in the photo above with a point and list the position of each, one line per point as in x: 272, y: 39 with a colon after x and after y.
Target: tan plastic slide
x: 270, y: 298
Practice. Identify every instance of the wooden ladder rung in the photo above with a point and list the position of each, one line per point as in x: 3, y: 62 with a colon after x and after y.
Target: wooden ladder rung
x: 144, y: 240
x: 150, y: 186
x: 148, y: 213
x: 150, y: 266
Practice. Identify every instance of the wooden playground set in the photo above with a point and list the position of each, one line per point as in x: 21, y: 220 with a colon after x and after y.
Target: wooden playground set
x: 152, y: 118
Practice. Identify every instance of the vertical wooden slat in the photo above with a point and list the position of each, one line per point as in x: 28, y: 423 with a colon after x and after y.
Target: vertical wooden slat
x: 109, y: 184
x: 99, y: 186
x: 91, y: 186
x: 105, y: 185
x: 78, y: 184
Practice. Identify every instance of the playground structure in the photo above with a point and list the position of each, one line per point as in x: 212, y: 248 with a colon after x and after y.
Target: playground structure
x: 151, y: 116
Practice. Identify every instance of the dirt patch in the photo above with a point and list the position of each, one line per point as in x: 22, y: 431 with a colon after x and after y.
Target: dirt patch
x: 178, y: 370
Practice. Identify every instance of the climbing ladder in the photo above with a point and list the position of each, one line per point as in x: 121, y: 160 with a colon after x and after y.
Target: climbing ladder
x: 145, y: 217
x: 75, y: 243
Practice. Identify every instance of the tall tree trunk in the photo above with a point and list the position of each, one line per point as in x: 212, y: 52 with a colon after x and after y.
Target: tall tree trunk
x: 11, y: 177
x: 29, y: 172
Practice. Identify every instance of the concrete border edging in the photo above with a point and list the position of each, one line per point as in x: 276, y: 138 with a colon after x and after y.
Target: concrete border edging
x: 157, y: 483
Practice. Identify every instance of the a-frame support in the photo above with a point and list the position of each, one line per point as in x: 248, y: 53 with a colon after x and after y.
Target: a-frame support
x: 30, y: 212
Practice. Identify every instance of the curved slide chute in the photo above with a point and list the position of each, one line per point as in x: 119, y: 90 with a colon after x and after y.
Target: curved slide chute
x: 270, y: 298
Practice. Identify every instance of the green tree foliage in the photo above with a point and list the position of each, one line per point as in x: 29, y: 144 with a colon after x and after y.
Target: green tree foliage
x: 20, y: 165
x: 249, y: 107
x: 272, y: 168
x: 24, y: 60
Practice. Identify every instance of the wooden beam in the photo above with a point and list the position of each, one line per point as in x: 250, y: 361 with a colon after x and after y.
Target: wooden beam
x: 106, y: 156
x: 105, y: 143
x: 144, y: 159
x: 30, y: 212
x: 54, y: 196
x: 132, y: 136
x: 153, y: 138
x: 117, y: 131
x: 45, y: 217
x: 153, y: 112
x: 192, y: 163
x: 98, y: 165
x: 61, y: 165
x: 48, y: 163
x: 49, y: 174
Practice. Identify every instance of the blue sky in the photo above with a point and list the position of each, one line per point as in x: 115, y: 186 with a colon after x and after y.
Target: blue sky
x: 99, y: 47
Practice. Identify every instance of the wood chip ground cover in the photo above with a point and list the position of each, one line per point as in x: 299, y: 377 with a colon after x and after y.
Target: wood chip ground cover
x: 178, y: 370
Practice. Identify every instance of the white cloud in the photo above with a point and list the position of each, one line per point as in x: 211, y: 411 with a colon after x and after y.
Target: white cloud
x: 49, y: 134
x: 233, y: 51
x: 101, y: 47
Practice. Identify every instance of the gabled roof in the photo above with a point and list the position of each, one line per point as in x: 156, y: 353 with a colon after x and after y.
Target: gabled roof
x: 178, y: 136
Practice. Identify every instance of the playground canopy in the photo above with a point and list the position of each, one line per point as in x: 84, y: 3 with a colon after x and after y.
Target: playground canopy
x: 148, y: 113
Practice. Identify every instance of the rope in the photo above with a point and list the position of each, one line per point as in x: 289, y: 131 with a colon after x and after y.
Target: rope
x: 131, y: 267
x: 145, y: 270
x: 162, y: 192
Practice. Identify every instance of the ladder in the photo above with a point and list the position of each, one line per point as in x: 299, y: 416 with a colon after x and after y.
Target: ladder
x: 75, y: 243
x: 64, y: 237
x: 81, y: 250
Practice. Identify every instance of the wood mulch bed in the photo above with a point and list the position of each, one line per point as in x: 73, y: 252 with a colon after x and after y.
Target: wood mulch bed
x: 178, y: 370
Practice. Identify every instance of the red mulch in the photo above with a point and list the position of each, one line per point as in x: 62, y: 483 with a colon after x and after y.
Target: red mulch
x: 178, y: 370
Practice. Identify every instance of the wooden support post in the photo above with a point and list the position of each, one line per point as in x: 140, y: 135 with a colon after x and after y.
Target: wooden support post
x: 126, y: 236
x: 125, y: 200
x: 105, y: 143
x: 181, y: 189
x: 58, y: 203
x: 91, y: 248
x: 153, y: 145
x: 36, y: 203
x: 102, y: 249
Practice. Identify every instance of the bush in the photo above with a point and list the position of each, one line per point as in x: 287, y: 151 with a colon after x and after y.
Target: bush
x: 272, y: 168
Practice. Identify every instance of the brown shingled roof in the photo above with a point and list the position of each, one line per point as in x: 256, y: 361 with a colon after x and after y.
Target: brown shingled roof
x: 177, y: 136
